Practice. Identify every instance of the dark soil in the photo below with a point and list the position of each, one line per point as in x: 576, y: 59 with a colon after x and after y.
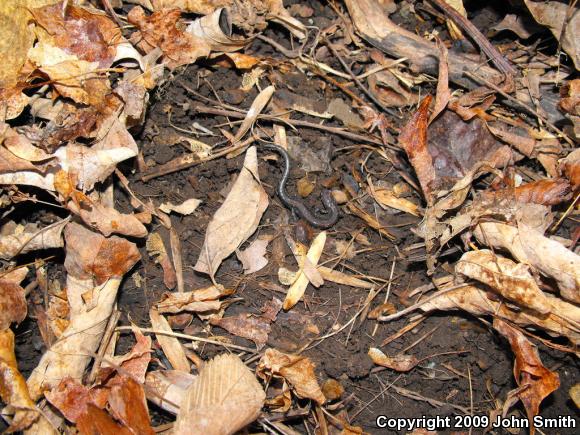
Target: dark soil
x: 465, y: 364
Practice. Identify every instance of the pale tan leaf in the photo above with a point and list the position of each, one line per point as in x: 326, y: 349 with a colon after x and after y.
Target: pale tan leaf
x: 344, y: 278
x: 223, y: 399
x: 185, y: 208
x: 400, y: 363
x: 167, y: 388
x: 511, y: 280
x: 202, y: 300
x: 236, y: 219
x: 171, y: 346
x: 297, y: 289
x: 216, y: 30
x: 298, y: 370
x: 255, y: 109
x: 18, y: 239
x: 387, y: 198
x: 253, y: 257
x: 529, y: 246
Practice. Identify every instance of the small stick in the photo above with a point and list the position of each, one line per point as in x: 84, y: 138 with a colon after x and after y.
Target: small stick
x: 111, y: 324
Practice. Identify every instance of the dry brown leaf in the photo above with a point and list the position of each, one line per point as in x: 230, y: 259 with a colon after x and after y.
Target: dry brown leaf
x: 332, y: 389
x: 134, y: 363
x: 162, y: 29
x: 127, y: 404
x: 21, y: 146
x: 575, y: 394
x: 535, y: 381
x: 570, y: 166
x: 171, y: 346
x: 88, y: 34
x: 200, y: 301
x: 387, y: 198
x: 344, y: 278
x: 222, y: 399
x: 216, y: 30
x: 17, y: 239
x: 236, y: 219
x: 413, y: 139
x: 12, y: 298
x: 13, y: 389
x: 156, y: 248
x: 253, y: 257
x: 553, y: 15
x: 107, y: 220
x: 255, y: 328
x: 298, y: 370
x: 95, y: 267
x: 511, y: 280
x: 529, y: 246
x: 16, y: 38
x: 202, y: 7
x: 400, y: 363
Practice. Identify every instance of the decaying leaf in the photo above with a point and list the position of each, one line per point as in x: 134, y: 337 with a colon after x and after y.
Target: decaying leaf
x: 257, y: 106
x: 134, y: 363
x: 400, y: 363
x: 236, y: 219
x: 95, y: 267
x: 511, y: 280
x: 298, y: 370
x: 535, y: 381
x: 70, y: 398
x: 546, y: 192
x: 13, y: 307
x: 167, y: 388
x: 127, y: 404
x: 197, y: 301
x: 255, y: 328
x: 222, y: 399
x: 13, y: 389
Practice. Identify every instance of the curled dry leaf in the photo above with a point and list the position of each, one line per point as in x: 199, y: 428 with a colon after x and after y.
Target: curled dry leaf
x: 12, y: 298
x: 216, y: 30
x: 387, y: 198
x: 546, y: 192
x: 171, y: 346
x: 297, y: 370
x: 298, y: 287
x: 17, y: 239
x: 443, y: 94
x: 96, y: 421
x: 167, y: 388
x: 511, y: 280
x: 107, y: 220
x: 255, y: 109
x: 570, y: 167
x: 563, y: 319
x: 529, y: 246
x: 236, y: 219
x: 134, y: 363
x: 197, y: 301
x: 222, y: 399
x: 253, y: 257
x: 535, y: 381
x: 13, y: 389
x: 71, y: 398
x: 400, y: 363
x: 413, y: 139
x: 90, y: 258
x: 162, y: 29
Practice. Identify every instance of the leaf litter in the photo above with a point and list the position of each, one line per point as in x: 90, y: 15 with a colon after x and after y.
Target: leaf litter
x: 131, y: 143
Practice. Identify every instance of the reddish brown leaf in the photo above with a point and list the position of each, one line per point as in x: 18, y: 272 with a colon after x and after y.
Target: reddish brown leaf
x: 546, y: 192
x: 413, y: 139
x: 70, y: 398
x: 90, y: 254
x: 88, y: 35
x: 537, y: 381
x: 12, y: 301
x: 127, y: 404
x: 95, y: 421
x: 162, y: 29
x: 254, y: 328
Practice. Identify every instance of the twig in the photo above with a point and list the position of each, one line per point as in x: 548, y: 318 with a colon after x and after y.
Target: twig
x: 487, y: 47
x: 363, y: 88
x: 111, y: 324
x: 186, y: 337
